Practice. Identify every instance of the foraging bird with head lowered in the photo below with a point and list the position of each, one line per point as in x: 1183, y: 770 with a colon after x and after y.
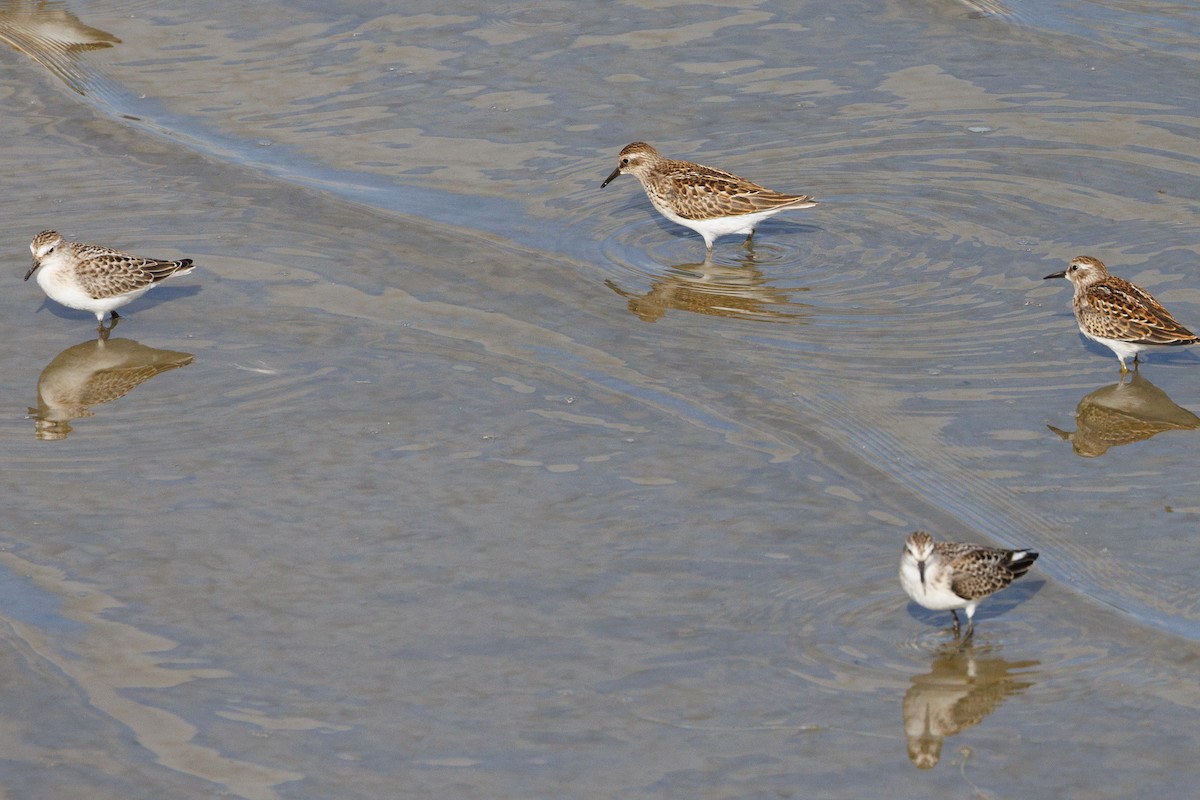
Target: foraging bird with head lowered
x: 710, y: 201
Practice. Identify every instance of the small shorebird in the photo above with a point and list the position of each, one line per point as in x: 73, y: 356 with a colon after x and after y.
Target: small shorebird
x: 1122, y: 317
x: 712, y: 202
x: 944, y: 576
x: 95, y: 278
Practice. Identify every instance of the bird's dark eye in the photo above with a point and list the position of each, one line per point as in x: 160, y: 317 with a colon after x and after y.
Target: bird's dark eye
x: 1074, y: 267
x: 624, y: 160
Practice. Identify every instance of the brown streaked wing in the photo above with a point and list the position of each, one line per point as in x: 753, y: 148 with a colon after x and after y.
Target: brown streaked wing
x: 105, y: 273
x: 702, y: 190
x: 159, y: 270
x: 980, y: 573
x: 1167, y: 324
x: 952, y: 551
x: 1116, y: 309
x: 108, y: 276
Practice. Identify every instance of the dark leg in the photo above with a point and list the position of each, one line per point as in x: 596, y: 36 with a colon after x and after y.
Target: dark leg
x: 749, y: 238
x: 104, y: 330
x: 970, y: 629
x: 954, y: 614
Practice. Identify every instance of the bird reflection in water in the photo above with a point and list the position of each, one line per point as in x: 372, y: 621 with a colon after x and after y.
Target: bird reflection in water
x: 1125, y: 412
x: 52, y: 36
x: 980, y: 9
x: 962, y: 687
x: 91, y: 373
x: 707, y: 288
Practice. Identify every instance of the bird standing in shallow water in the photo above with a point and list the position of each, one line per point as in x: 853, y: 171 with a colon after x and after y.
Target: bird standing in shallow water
x: 95, y: 278
x: 1122, y: 317
x: 944, y: 576
x: 710, y: 201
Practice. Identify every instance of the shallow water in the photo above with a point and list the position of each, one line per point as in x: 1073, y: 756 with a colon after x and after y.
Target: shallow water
x: 481, y: 482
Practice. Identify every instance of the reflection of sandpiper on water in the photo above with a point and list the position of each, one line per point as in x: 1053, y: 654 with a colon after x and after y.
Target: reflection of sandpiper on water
x: 960, y: 690
x: 51, y: 36
x: 708, y: 288
x: 1123, y: 413
x: 94, y: 372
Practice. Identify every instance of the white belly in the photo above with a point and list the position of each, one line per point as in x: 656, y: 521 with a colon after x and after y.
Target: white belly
x: 1123, y: 350
x: 930, y: 594
x: 721, y: 226
x: 60, y: 286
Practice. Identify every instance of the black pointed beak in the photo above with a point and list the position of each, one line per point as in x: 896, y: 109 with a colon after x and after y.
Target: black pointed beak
x: 611, y: 178
x: 1062, y: 274
x: 921, y: 571
x: 33, y: 269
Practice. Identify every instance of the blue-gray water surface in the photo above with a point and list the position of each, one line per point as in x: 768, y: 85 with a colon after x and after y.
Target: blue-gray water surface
x: 448, y: 473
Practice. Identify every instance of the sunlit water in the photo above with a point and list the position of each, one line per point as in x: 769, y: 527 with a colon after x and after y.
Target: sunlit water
x: 480, y: 481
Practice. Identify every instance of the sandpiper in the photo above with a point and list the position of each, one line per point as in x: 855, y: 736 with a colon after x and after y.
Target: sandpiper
x: 1122, y: 317
x: 95, y: 278
x: 944, y: 576
x: 712, y: 202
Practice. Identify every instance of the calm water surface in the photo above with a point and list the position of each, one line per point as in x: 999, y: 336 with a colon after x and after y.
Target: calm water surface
x: 450, y: 474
